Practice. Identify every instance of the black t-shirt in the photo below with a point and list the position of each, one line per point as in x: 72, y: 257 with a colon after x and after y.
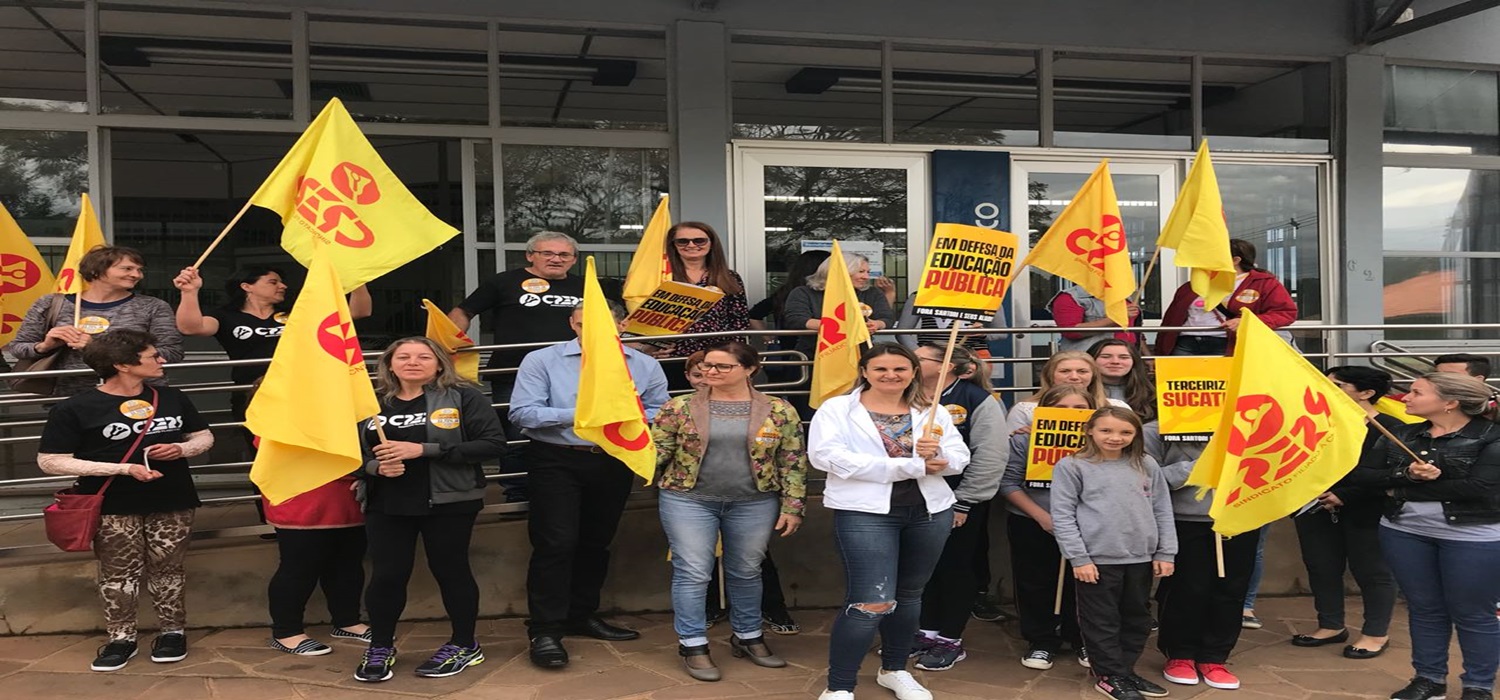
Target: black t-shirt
x: 524, y: 308
x: 247, y: 337
x: 410, y: 493
x: 100, y: 427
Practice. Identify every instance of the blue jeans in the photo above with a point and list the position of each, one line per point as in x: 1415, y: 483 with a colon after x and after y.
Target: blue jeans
x: 887, y: 560
x: 693, y: 529
x: 1448, y: 584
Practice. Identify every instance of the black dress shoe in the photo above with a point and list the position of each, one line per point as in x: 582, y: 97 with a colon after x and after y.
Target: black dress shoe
x: 548, y: 652
x: 1303, y: 640
x: 1354, y: 652
x: 599, y: 629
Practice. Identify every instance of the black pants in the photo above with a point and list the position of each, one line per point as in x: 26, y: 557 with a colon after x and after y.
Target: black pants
x: 1114, y: 617
x: 576, y: 501
x: 1330, y: 544
x: 393, y: 552
x: 512, y: 460
x: 1034, y: 562
x: 981, y: 561
x: 772, y: 600
x: 1200, y: 612
x: 950, y: 593
x: 332, y: 557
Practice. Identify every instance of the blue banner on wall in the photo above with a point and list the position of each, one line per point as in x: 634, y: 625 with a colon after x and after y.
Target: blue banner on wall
x: 973, y: 188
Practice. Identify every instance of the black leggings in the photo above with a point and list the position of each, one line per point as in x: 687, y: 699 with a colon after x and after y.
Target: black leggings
x: 953, y: 588
x: 333, y: 557
x: 393, y: 552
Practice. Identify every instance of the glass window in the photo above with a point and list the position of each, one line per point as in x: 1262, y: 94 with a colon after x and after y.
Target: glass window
x: 1276, y: 207
x: 484, y: 192
x: 1267, y: 106
x: 199, y: 64
x: 1442, y: 210
x: 41, y: 48
x: 41, y: 175
x: 1441, y: 290
x: 418, y: 72
x: 953, y: 96
x: 601, y: 196
x: 822, y: 91
x: 583, y: 79
x: 1122, y: 101
x: 1441, y: 110
x: 1140, y: 209
x: 850, y: 204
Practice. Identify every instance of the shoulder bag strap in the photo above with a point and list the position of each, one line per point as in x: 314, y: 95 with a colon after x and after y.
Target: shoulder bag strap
x: 155, y: 399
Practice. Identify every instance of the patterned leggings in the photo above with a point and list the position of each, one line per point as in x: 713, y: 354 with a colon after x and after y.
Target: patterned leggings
x: 154, y: 544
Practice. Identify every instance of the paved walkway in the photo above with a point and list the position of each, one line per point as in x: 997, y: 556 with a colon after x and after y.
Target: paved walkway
x: 235, y: 664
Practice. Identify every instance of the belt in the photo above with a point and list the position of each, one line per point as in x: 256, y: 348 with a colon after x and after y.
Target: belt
x: 595, y: 449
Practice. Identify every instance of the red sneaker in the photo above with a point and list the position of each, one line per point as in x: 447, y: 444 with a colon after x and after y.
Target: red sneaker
x: 1180, y: 671
x: 1216, y: 676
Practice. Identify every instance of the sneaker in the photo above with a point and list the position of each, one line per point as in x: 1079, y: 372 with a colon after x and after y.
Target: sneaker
x: 376, y: 665
x: 114, y: 655
x: 1216, y: 676
x: 1250, y: 622
x: 1180, y: 671
x: 1039, y: 659
x: 1421, y: 689
x: 837, y: 695
x: 169, y: 647
x: 450, y: 660
x: 1147, y: 688
x: 1083, y: 656
x: 1118, y: 687
x: 987, y: 609
x: 365, y: 636
x: 919, y: 646
x: 942, y: 655
x: 902, y: 684
x: 781, y: 622
x: 1477, y: 694
x: 306, y: 647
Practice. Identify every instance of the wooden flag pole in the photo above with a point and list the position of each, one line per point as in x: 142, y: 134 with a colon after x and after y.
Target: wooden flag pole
x: 1146, y: 278
x: 380, y: 429
x: 1387, y: 433
x: 221, y: 236
x: 937, y: 392
x: 1219, y: 552
x: 1062, y: 572
x: 77, y: 307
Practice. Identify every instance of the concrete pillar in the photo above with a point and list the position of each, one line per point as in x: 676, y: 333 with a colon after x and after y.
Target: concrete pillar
x: 1360, y: 240
x: 700, y: 122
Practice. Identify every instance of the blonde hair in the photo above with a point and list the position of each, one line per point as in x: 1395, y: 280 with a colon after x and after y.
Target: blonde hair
x: 386, y: 383
x: 1055, y: 395
x: 1135, y: 454
x: 1475, y: 397
x: 819, y: 278
x: 1096, y: 381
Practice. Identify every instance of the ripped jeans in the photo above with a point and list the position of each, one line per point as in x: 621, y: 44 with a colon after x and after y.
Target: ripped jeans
x: 887, y: 561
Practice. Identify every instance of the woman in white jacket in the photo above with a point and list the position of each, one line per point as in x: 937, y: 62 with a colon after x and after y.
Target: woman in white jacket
x: 892, y: 511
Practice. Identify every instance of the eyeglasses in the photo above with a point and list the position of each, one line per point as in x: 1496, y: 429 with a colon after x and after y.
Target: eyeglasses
x: 690, y: 242
x: 547, y: 254
x: 928, y: 359
x: 715, y: 367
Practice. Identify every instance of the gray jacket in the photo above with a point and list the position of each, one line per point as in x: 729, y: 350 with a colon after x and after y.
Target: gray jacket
x: 988, y: 451
x: 1109, y: 513
x: 1015, y: 477
x: 1177, y: 460
x: 454, y: 455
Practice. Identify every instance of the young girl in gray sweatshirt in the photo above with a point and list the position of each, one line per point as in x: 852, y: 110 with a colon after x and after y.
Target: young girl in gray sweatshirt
x: 1112, y: 516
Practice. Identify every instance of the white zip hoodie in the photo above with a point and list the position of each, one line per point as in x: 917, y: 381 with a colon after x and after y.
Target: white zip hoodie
x: 844, y: 442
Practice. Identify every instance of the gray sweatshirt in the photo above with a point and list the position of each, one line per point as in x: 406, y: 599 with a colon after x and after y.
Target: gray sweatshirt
x: 988, y: 452
x: 1177, y: 460
x: 1109, y: 513
x: 137, y: 312
x: 1015, y: 478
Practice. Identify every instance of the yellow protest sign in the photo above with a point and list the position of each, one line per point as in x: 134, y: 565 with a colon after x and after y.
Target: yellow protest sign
x: 1190, y: 396
x: 671, y: 309
x: 1055, y: 433
x: 968, y: 271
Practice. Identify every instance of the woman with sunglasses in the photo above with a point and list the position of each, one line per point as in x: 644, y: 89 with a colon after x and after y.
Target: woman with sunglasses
x: 696, y: 257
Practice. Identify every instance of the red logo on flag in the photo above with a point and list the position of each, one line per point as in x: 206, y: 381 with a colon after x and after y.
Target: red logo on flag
x: 830, y: 331
x: 1096, y: 245
x: 17, y: 273
x: 328, y: 210
x: 1270, y: 443
x: 337, y: 338
x: 65, y: 278
x: 9, y: 323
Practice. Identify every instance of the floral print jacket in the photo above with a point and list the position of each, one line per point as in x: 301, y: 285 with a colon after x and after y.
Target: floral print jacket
x: 777, y: 452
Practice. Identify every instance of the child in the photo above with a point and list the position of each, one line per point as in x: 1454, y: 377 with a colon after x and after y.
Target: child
x: 1033, y: 551
x: 1112, y: 517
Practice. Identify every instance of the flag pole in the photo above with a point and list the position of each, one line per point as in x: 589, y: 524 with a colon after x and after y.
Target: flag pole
x: 1146, y: 279
x: 942, y: 378
x: 1396, y: 441
x: 1062, y: 572
x: 1219, y: 552
x: 78, y: 306
x: 221, y: 236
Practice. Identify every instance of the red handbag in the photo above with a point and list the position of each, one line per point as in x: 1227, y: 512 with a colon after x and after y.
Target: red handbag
x: 72, y: 519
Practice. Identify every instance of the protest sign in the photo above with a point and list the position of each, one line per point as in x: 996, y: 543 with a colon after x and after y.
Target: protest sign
x: 967, y: 272
x: 1055, y: 433
x: 671, y: 309
x: 1190, y: 396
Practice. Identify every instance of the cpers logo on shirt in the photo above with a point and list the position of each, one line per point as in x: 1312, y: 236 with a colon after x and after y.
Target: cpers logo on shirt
x: 557, y: 301
x: 408, y: 420
x: 246, y: 332
x: 163, y: 424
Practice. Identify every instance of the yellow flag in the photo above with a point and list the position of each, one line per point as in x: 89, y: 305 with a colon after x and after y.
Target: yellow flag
x: 24, y: 276
x: 333, y: 189
x: 310, y: 403
x: 442, y: 330
x: 1087, y: 246
x: 1197, y: 231
x: 1395, y: 409
x: 609, y: 413
x: 648, y: 267
x: 1286, y: 436
x: 86, y: 236
x: 840, y: 334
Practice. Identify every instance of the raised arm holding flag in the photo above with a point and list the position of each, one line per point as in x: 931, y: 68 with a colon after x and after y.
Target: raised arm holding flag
x: 1087, y: 246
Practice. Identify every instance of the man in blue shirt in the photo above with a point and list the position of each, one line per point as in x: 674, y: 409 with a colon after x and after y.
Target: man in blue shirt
x: 577, y: 494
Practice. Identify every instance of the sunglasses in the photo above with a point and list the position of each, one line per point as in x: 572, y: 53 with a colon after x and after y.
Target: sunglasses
x: 690, y: 242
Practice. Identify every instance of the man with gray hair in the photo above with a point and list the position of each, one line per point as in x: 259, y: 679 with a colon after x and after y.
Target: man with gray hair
x: 529, y: 304
x: 577, y: 491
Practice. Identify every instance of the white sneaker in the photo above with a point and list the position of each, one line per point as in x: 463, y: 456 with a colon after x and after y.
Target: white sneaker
x: 903, y: 685
x: 837, y: 695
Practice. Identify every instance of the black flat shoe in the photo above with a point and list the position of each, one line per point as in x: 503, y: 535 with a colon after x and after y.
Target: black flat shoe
x: 599, y: 629
x: 548, y: 652
x: 1303, y: 640
x: 1354, y: 652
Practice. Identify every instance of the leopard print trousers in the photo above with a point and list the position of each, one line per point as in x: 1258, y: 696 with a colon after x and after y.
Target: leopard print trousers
x: 128, y: 546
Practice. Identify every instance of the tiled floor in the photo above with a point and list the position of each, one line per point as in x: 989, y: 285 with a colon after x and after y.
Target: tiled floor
x: 235, y: 663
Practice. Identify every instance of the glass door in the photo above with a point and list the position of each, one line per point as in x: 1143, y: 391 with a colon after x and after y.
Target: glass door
x: 787, y: 201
